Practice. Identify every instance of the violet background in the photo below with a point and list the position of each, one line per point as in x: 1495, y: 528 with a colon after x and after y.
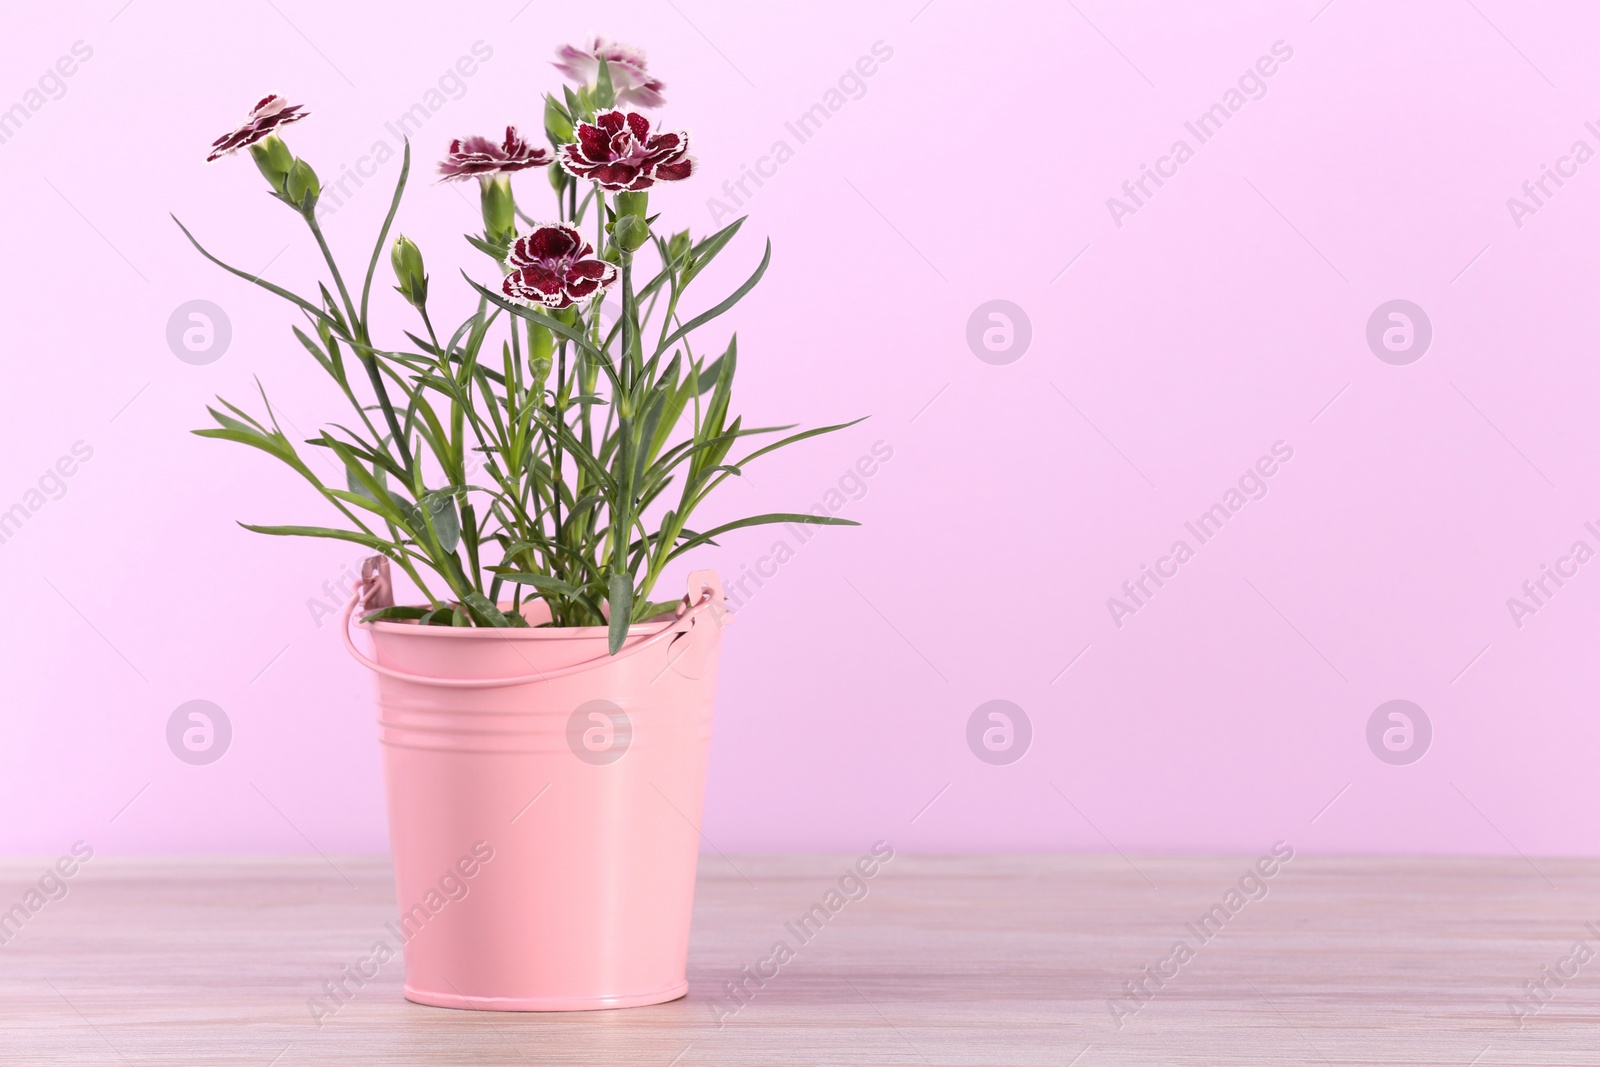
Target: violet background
x: 1226, y: 314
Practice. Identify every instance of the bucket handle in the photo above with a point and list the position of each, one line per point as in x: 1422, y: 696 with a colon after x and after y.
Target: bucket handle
x: 374, y: 584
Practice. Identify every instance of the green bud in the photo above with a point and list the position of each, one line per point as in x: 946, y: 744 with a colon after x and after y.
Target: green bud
x: 612, y: 254
x: 636, y: 204
x: 499, y: 210
x: 559, y: 179
x: 541, y: 342
x: 302, y: 187
x: 407, y: 260
x: 539, y: 370
x: 541, y: 347
x: 273, y: 160
x: 557, y: 126
x: 631, y: 232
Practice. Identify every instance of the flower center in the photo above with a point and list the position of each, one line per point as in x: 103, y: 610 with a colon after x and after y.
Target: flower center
x: 632, y: 152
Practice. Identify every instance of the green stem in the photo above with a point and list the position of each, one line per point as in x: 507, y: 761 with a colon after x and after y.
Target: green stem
x: 363, y: 345
x: 560, y: 412
x: 622, y: 508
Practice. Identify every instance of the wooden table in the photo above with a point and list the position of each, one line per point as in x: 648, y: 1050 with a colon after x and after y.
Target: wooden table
x: 947, y: 960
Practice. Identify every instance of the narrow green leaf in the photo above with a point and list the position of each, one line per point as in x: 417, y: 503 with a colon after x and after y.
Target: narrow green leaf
x: 758, y: 520
x: 698, y: 256
x: 707, y: 378
x: 316, y: 351
x: 706, y: 316
x: 248, y: 437
x: 388, y: 548
x: 276, y: 290
x: 493, y: 251
x: 604, y: 94
x: 701, y: 255
x: 554, y: 586
x: 486, y: 612
x: 620, y: 598
x: 542, y: 582
x: 398, y: 612
x: 561, y: 329
x: 792, y: 438
x: 394, y: 206
x: 441, y: 510
x: 364, y: 486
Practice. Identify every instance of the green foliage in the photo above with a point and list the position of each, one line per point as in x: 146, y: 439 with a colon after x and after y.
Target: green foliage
x: 531, y: 454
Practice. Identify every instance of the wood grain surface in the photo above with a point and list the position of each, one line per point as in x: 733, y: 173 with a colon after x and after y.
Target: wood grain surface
x: 954, y: 960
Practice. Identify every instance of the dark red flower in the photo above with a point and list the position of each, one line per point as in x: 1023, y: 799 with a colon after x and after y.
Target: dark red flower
x: 476, y: 157
x: 633, y: 84
x: 619, y: 151
x: 554, y: 266
x: 273, y: 111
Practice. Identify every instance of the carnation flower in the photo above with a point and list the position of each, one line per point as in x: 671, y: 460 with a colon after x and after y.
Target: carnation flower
x: 554, y: 266
x: 478, y: 157
x: 619, y: 151
x: 273, y: 111
x: 633, y: 84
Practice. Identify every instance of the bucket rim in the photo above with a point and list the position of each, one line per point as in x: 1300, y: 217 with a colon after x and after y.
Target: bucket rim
x: 641, y: 636
x: 646, y: 628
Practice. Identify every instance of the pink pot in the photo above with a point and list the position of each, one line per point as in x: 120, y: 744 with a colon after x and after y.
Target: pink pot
x: 544, y: 804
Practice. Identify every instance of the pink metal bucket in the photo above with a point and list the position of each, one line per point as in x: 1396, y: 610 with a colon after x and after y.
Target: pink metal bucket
x: 544, y: 804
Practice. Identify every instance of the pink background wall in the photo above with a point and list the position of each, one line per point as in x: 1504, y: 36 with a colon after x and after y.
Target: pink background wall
x: 1226, y: 313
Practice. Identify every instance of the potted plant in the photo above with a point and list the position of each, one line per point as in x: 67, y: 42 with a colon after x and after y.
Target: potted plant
x: 544, y: 718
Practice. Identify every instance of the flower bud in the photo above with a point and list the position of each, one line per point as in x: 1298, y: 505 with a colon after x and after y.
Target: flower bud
x: 541, y: 342
x: 273, y: 160
x: 630, y: 231
x: 539, y: 372
x: 541, y: 346
x: 499, y: 210
x: 636, y: 204
x: 557, y: 126
x: 302, y: 187
x: 407, y: 260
